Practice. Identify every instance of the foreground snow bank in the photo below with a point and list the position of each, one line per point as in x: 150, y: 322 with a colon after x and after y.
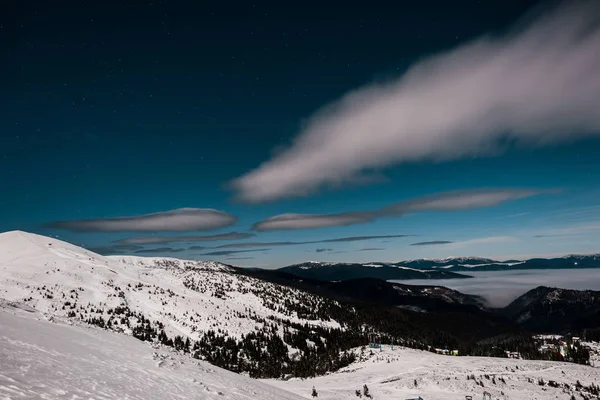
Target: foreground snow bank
x: 41, y: 359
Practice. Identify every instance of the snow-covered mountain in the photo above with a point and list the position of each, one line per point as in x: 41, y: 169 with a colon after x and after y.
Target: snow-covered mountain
x: 326, y: 271
x: 243, y: 320
x: 229, y: 318
x: 434, y: 268
x: 557, y: 310
x: 470, y: 264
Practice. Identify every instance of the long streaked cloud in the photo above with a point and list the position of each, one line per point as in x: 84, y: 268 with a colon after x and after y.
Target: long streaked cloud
x: 462, y: 200
x: 179, y: 220
x: 334, y: 240
x: 584, y: 228
x: 536, y: 85
x: 159, y: 250
x: 447, y: 201
x: 229, y: 252
x: 143, y: 240
x: 432, y: 243
x: 372, y: 249
x: 361, y: 238
x: 115, y: 249
x: 468, y: 242
x: 484, y: 240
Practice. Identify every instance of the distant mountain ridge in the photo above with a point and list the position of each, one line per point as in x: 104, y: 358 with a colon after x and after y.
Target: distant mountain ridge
x: 462, y: 264
x: 441, y: 268
x: 345, y: 271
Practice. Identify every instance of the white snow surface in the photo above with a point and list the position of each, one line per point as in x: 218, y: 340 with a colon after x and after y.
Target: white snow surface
x: 66, y: 359
x: 44, y: 360
x: 441, y: 377
x: 188, y: 297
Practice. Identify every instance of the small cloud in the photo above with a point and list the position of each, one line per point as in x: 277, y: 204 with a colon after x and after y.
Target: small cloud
x: 229, y: 252
x: 179, y: 220
x: 323, y: 250
x: 304, y: 221
x: 361, y: 238
x: 484, y: 240
x: 371, y: 249
x: 184, y: 239
x: 258, y: 244
x: 198, y: 248
x: 432, y: 243
x: 156, y: 250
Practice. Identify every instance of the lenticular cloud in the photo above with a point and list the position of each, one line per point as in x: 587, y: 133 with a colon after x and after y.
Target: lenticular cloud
x: 537, y: 85
x: 179, y: 220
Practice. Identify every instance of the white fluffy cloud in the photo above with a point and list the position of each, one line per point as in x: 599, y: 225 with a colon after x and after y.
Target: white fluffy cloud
x: 144, y: 240
x: 179, y: 220
x: 537, y: 85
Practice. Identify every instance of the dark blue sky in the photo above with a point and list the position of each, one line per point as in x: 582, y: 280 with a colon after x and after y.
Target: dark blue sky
x: 133, y: 108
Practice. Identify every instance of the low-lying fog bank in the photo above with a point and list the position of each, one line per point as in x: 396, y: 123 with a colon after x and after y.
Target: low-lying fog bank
x: 499, y: 288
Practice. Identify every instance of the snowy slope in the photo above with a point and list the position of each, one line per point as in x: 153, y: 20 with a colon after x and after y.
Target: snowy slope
x: 57, y: 360
x: 187, y: 298
x: 44, y: 360
x: 440, y: 377
x: 60, y: 282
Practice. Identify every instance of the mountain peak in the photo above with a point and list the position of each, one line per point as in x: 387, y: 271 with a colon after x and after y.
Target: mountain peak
x: 23, y: 245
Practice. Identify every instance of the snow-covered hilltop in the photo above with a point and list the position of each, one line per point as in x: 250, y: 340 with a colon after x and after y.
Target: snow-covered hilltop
x: 203, y: 307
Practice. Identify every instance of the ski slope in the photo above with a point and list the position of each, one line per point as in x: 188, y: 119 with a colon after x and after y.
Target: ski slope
x: 54, y: 360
